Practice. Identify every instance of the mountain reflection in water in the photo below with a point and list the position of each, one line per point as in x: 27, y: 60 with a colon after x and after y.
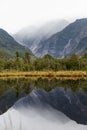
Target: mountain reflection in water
x: 66, y: 96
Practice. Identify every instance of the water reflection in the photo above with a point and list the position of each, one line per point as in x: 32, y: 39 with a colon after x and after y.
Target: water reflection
x: 13, y: 89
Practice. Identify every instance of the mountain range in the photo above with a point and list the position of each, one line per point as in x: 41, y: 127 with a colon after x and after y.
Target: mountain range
x: 71, y: 38
x: 58, y: 38
x: 32, y: 37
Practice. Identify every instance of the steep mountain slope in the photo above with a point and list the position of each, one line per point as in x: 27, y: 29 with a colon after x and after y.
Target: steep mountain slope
x: 32, y: 36
x: 8, y: 46
x: 82, y: 47
x: 73, y: 39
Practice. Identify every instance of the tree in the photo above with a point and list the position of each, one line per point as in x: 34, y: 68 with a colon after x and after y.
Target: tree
x: 85, y: 55
x: 74, y: 62
x: 47, y: 56
x: 16, y: 54
x: 27, y: 58
x: 48, y: 61
x: 17, y: 61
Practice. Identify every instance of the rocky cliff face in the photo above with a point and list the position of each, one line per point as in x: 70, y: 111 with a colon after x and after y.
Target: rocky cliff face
x: 71, y: 40
x: 33, y: 37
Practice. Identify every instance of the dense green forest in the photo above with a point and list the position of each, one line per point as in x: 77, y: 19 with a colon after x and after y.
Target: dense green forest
x: 47, y: 62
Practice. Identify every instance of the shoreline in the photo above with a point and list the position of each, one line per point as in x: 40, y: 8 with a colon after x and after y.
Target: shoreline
x: 45, y: 74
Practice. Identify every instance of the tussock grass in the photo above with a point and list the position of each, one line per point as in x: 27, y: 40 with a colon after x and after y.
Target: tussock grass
x: 44, y: 74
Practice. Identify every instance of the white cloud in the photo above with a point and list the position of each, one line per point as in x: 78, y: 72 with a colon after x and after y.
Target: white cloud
x: 15, y: 14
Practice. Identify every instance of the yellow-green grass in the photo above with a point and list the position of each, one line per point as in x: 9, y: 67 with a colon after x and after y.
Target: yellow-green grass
x: 46, y: 74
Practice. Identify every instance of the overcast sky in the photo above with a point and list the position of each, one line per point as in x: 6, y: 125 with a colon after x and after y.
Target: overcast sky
x: 16, y: 14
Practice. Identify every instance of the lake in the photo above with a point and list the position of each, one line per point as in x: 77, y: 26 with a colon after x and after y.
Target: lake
x: 48, y: 103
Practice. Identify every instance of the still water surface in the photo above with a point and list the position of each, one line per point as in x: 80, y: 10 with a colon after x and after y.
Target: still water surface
x: 66, y: 96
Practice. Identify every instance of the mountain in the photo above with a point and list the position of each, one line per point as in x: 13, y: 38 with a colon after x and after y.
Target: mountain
x: 72, y: 39
x: 8, y: 46
x: 31, y: 37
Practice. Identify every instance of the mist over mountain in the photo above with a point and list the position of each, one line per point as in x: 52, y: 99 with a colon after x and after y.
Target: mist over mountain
x: 8, y: 45
x: 56, y: 38
x: 72, y: 39
x: 31, y: 36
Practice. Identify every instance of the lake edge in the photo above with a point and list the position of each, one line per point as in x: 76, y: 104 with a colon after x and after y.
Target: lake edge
x: 46, y: 74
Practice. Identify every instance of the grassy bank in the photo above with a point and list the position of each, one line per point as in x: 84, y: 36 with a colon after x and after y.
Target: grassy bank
x: 47, y: 74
